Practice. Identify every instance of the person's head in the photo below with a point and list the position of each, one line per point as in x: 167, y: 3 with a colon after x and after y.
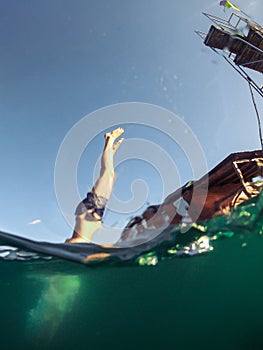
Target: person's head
x: 134, y: 221
x: 150, y: 212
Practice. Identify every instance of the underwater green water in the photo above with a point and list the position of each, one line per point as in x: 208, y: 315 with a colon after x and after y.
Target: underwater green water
x: 210, y: 301
x: 207, y: 301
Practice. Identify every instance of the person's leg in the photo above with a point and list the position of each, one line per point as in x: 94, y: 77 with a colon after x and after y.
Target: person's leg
x: 104, y: 185
x: 93, y: 206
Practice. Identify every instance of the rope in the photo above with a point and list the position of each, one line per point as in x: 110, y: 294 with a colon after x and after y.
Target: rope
x: 251, y: 84
x: 240, y: 71
x: 257, y: 113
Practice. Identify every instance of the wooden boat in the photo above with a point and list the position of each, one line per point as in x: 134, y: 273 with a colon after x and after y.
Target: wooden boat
x: 236, y: 179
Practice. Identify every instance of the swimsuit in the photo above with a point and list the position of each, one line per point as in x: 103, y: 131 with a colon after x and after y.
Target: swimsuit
x: 93, y: 206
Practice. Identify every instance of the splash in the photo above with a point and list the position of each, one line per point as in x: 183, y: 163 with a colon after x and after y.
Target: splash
x: 245, y: 218
x: 172, y: 242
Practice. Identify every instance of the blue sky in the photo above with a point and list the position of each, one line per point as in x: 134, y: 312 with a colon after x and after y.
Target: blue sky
x: 61, y: 60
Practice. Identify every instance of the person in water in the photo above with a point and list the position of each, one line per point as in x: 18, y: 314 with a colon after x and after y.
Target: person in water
x: 89, y: 211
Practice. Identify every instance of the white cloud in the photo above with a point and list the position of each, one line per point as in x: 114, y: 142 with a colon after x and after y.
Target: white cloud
x: 34, y: 222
